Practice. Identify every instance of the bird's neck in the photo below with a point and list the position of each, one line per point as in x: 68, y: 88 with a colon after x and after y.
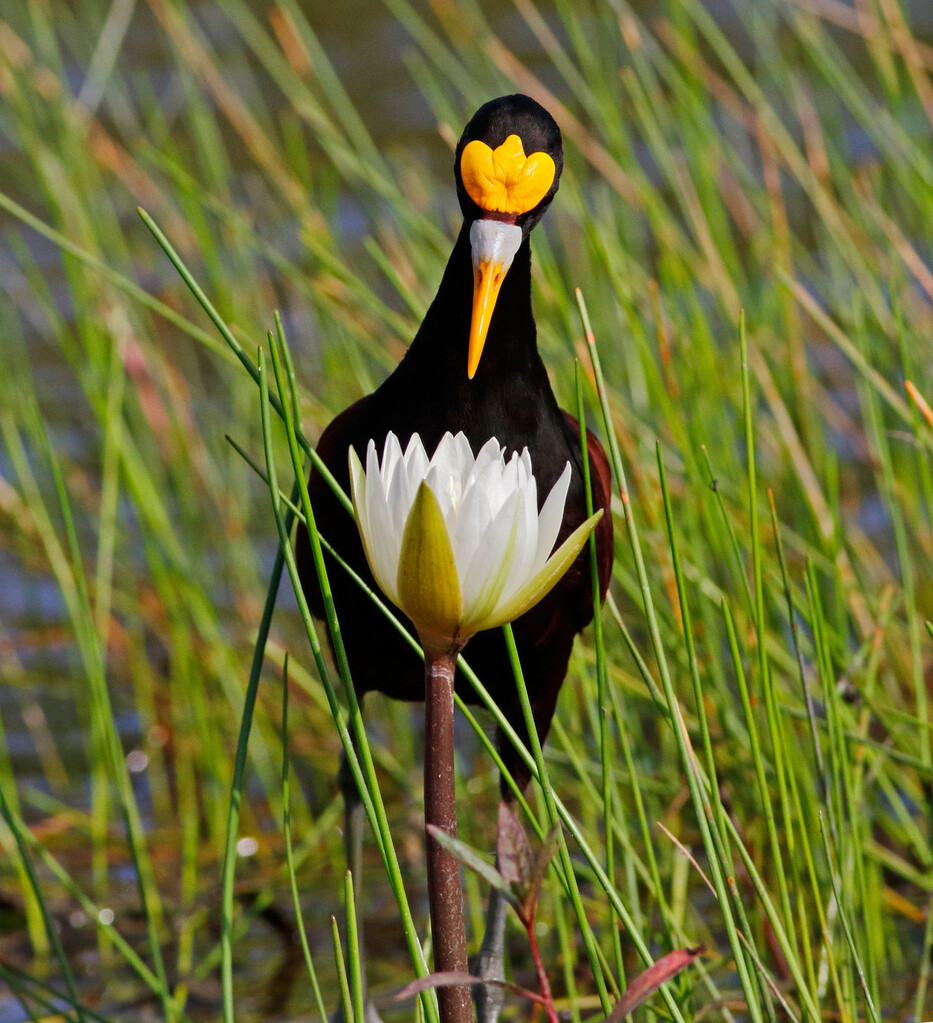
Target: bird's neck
x: 509, y: 397
x: 511, y: 351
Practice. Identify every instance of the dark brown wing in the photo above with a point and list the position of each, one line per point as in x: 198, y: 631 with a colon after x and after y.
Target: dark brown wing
x: 546, y: 633
x: 331, y: 518
x: 601, y: 485
x: 378, y: 657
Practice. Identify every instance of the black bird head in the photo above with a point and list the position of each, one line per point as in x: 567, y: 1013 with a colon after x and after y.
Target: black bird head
x: 507, y: 167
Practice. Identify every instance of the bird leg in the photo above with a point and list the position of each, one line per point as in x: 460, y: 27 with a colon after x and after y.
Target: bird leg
x: 354, y: 825
x: 490, y: 963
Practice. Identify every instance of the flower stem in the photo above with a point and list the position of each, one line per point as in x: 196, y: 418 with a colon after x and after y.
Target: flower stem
x: 445, y: 894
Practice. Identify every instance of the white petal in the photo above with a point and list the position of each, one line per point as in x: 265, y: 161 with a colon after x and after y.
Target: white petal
x: 445, y: 454
x: 510, y: 475
x: 416, y: 470
x: 391, y: 456
x: 373, y: 475
x: 445, y: 486
x: 358, y: 495
x: 413, y: 468
x: 542, y: 582
x: 445, y: 474
x: 525, y: 463
x: 384, y: 540
x: 416, y: 461
x: 399, y: 498
x: 492, y: 479
x: 526, y: 540
x: 392, y: 464
x: 551, y: 516
x: 465, y: 459
x: 488, y: 570
x: 357, y: 476
x: 376, y: 523
x: 489, y: 454
x: 414, y: 442
x: 486, y: 494
x: 473, y: 520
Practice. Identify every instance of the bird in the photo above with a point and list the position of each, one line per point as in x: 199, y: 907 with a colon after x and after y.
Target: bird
x: 473, y: 367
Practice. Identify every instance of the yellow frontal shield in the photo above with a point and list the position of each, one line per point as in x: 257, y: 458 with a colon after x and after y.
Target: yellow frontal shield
x: 504, y: 180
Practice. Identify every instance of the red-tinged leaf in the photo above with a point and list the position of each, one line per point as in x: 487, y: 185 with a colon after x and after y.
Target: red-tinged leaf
x: 455, y: 978
x: 515, y: 859
x: 472, y: 859
x: 452, y: 978
x: 648, y: 982
x: 544, y: 857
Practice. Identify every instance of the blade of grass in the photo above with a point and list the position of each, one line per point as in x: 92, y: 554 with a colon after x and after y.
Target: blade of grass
x: 290, y: 852
x: 367, y: 784
x: 602, y: 680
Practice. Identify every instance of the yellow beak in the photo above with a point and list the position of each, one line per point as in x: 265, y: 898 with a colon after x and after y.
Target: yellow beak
x: 487, y: 280
x: 494, y: 244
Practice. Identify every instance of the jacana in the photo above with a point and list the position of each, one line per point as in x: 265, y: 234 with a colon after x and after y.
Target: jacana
x: 474, y: 367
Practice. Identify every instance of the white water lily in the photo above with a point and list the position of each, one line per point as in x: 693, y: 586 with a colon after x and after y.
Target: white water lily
x: 456, y: 541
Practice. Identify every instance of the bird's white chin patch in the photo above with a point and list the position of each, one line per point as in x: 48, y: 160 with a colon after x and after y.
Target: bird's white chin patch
x: 495, y: 242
